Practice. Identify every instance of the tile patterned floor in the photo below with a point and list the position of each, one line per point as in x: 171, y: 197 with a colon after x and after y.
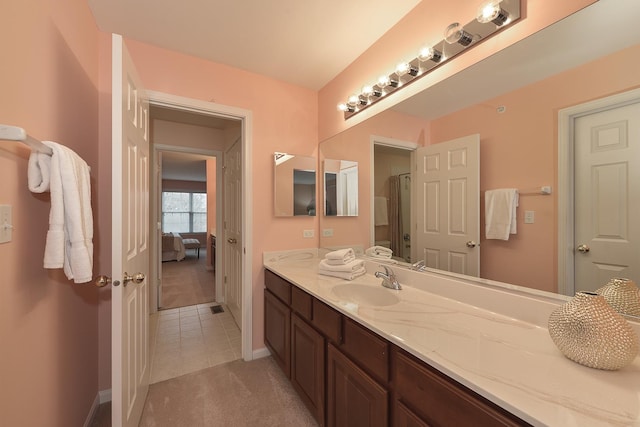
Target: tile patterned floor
x: 188, y: 339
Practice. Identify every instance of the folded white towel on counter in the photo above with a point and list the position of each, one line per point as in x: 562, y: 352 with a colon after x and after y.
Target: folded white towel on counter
x: 347, y: 275
x: 379, y: 252
x: 350, y: 267
x: 69, y: 243
x: 500, y: 213
x: 341, y: 256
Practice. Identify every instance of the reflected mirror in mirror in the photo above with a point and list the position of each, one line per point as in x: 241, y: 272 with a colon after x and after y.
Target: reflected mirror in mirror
x: 340, y: 188
x: 512, y: 100
x: 294, y: 185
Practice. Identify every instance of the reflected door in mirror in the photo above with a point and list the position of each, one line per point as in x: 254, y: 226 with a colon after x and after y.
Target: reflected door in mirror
x: 340, y: 188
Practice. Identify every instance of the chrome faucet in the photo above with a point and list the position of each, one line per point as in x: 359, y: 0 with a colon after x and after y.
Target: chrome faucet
x: 419, y: 266
x: 389, y: 279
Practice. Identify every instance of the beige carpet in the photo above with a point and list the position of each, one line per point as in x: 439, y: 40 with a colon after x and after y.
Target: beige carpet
x: 238, y: 394
x: 187, y: 282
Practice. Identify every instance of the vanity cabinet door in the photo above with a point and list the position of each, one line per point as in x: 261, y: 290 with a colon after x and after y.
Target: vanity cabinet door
x: 354, y: 399
x: 277, y: 324
x: 439, y: 401
x: 403, y: 417
x: 307, y: 366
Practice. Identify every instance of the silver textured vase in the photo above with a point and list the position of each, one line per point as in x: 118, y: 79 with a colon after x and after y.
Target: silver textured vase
x: 623, y: 295
x: 590, y: 332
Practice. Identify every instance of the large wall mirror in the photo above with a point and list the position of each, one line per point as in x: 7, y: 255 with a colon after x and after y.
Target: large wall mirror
x: 295, y: 185
x: 512, y: 100
x: 340, y: 187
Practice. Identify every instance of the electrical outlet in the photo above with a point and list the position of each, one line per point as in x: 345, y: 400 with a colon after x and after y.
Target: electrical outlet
x: 307, y: 233
x: 6, y: 226
x: 327, y: 232
x: 529, y: 217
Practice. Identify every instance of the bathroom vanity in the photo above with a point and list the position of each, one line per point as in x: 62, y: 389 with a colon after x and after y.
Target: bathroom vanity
x: 439, y: 352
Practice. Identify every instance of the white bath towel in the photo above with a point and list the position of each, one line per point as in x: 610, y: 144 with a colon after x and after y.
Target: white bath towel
x: 350, y: 267
x: 343, y: 274
x: 341, y: 256
x: 380, y: 211
x: 500, y: 213
x: 69, y: 243
x: 379, y: 252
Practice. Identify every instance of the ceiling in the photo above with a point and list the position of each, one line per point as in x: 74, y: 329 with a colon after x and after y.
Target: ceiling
x: 264, y: 37
x: 184, y: 166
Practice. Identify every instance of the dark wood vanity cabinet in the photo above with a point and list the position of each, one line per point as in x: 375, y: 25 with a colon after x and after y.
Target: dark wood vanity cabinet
x: 348, y: 376
x: 354, y: 399
x: 308, y: 366
x: 277, y: 327
x: 426, y: 397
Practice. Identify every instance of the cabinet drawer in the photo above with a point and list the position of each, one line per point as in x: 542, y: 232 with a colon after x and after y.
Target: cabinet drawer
x: 301, y: 302
x: 440, y: 401
x: 278, y: 286
x: 327, y: 320
x: 370, y: 350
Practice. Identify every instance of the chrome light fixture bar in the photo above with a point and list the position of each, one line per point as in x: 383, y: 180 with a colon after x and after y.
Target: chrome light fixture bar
x: 493, y: 16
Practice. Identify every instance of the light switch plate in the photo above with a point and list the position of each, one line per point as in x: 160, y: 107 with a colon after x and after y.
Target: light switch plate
x: 307, y: 233
x: 327, y: 232
x: 529, y: 217
x: 6, y: 226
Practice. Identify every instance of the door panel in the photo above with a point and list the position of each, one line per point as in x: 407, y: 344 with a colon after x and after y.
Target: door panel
x: 233, y: 231
x: 448, y: 197
x: 607, y: 196
x: 130, y: 240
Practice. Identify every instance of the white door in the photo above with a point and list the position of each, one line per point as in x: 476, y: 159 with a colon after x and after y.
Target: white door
x: 448, y: 205
x: 607, y: 196
x: 130, y: 239
x: 233, y: 231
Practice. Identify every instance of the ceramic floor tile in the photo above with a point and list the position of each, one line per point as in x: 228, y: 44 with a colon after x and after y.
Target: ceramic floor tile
x: 189, y: 339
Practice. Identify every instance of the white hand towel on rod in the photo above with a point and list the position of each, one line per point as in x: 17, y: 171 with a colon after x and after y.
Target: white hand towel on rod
x: 380, y: 211
x: 500, y: 213
x: 69, y: 243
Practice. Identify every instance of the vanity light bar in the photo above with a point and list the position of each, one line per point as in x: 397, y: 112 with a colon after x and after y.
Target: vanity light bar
x: 492, y: 17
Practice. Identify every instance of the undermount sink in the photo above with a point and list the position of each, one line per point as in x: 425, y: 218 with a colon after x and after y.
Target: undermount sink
x: 365, y: 295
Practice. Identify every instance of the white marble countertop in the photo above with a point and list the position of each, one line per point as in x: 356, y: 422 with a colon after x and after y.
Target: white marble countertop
x: 492, y: 340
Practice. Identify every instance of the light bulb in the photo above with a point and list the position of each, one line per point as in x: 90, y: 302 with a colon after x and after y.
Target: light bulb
x: 492, y: 12
x: 429, y: 53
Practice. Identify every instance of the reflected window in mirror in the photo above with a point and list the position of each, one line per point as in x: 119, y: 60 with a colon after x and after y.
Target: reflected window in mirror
x: 294, y: 185
x: 340, y: 188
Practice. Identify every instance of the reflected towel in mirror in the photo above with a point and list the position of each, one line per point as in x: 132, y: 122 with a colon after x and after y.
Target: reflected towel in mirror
x: 500, y: 213
x: 381, y: 213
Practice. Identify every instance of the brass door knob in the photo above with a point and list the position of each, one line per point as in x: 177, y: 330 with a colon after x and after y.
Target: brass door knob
x: 231, y: 240
x: 136, y: 278
x: 583, y: 248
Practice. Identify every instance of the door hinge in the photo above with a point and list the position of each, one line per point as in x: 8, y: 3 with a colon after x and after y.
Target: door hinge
x: 225, y: 280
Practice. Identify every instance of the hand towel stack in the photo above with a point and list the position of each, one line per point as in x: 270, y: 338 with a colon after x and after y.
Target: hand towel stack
x: 342, y: 264
x: 379, y: 252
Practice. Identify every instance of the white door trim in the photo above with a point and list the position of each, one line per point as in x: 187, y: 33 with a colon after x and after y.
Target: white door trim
x: 566, y: 122
x: 391, y: 142
x: 246, y: 117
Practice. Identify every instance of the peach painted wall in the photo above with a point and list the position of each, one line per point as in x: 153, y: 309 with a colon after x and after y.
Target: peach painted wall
x: 284, y: 119
x: 518, y: 149
x: 48, y: 325
x: 426, y: 24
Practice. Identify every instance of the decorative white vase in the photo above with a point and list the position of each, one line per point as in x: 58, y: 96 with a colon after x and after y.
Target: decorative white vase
x: 623, y: 295
x: 590, y: 332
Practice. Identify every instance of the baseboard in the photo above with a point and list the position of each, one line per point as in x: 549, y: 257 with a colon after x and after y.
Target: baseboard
x: 92, y: 412
x: 105, y: 395
x: 260, y: 353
